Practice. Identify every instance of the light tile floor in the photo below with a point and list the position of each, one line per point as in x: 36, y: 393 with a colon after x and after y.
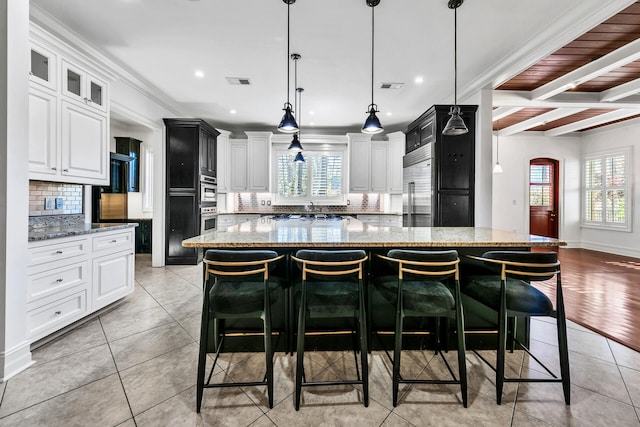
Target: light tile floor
x: 136, y: 366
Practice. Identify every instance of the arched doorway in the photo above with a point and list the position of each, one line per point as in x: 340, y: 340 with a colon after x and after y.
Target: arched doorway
x: 543, y: 197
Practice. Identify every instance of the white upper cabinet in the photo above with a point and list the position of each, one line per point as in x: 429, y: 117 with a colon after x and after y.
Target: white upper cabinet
x: 397, y: 145
x: 359, y: 162
x: 68, y: 115
x: 80, y: 85
x: 43, y: 66
x: 222, y: 166
x: 379, y: 166
x: 238, y: 161
x: 258, y: 155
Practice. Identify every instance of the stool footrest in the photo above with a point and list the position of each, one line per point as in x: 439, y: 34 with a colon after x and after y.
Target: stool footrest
x: 346, y: 382
x: 223, y: 385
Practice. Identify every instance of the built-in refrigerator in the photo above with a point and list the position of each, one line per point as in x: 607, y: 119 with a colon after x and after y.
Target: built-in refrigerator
x: 416, y: 188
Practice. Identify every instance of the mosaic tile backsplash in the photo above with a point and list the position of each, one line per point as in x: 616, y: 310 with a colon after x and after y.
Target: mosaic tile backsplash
x: 261, y: 202
x: 70, y: 195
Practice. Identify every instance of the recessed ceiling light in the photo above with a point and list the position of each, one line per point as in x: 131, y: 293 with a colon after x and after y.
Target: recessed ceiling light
x: 388, y: 113
x: 199, y: 74
x: 419, y: 79
x: 312, y: 112
x: 311, y: 123
x: 238, y: 80
x: 232, y: 111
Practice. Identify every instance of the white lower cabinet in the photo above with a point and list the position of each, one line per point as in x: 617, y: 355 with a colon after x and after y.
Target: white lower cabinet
x: 388, y: 220
x: 72, y: 277
x: 112, y: 278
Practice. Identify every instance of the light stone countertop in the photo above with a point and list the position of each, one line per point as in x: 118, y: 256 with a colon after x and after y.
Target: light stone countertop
x: 59, y: 231
x: 349, y: 232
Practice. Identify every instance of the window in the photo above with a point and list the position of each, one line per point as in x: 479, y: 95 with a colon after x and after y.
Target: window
x: 606, y: 191
x: 540, y: 185
x: 319, y: 179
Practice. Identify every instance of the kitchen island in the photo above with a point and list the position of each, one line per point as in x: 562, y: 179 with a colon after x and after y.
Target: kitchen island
x: 289, y: 234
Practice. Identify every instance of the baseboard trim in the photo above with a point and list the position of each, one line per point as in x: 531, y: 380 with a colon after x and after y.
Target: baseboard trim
x: 616, y: 250
x: 15, y: 360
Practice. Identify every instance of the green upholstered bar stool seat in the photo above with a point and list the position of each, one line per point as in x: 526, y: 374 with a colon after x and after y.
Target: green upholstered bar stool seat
x: 426, y: 285
x: 238, y: 285
x: 508, y: 290
x: 331, y: 287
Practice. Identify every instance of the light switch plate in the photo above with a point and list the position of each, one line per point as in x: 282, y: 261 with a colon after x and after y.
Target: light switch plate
x: 58, y: 203
x: 48, y: 204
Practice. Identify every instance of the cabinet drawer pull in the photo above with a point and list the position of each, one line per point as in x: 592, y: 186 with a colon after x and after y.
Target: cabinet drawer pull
x: 114, y: 241
x: 59, y: 280
x: 65, y: 170
x: 54, y: 169
x: 58, y: 313
x: 59, y: 252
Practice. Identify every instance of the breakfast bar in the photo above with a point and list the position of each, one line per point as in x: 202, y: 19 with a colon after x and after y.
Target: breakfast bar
x: 288, y: 234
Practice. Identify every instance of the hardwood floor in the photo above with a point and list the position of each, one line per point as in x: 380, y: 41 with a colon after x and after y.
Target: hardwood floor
x: 602, y: 293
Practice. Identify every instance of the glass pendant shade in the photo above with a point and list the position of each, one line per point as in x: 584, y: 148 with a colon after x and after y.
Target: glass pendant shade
x: 288, y: 123
x: 372, y: 124
x: 497, y: 168
x: 295, y: 146
x: 299, y: 158
x: 455, y: 125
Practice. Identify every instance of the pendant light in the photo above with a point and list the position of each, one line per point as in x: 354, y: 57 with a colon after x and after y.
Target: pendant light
x: 497, y: 168
x: 295, y: 146
x: 372, y: 124
x: 299, y: 158
x: 455, y: 125
x: 288, y: 123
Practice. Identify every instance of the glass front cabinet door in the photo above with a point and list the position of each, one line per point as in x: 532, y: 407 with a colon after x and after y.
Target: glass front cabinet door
x: 42, y: 66
x: 84, y: 87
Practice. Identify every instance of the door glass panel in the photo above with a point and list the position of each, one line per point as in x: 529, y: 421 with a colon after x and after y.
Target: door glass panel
x: 73, y: 82
x: 39, y: 65
x: 96, y: 93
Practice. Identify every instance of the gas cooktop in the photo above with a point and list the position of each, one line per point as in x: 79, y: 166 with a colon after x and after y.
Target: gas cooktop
x: 308, y: 216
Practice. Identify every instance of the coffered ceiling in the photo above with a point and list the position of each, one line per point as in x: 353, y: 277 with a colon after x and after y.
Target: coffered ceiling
x: 590, y: 82
x: 528, y: 52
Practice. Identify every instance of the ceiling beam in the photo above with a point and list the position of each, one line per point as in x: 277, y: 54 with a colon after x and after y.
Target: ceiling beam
x: 593, y: 121
x: 539, y: 120
x: 622, y: 91
x: 616, y: 59
x: 502, y: 112
x: 518, y: 98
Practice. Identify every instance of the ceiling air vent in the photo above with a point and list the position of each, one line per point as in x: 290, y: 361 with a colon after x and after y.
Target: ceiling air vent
x: 391, y: 85
x: 238, y: 80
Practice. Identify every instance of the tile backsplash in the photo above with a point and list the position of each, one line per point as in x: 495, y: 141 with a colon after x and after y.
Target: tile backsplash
x: 70, y: 195
x: 261, y: 202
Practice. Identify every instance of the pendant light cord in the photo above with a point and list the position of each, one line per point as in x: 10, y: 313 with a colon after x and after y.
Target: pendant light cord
x: 288, y: 47
x: 455, y: 56
x: 372, y: 50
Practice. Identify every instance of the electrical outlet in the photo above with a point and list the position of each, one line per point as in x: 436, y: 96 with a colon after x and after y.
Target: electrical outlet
x: 268, y: 202
x: 49, y: 204
x: 58, y: 203
x: 262, y: 202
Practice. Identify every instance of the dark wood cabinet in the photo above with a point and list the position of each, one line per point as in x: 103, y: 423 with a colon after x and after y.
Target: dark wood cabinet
x: 130, y: 147
x: 191, y: 152
x: 452, y: 166
x: 143, y: 235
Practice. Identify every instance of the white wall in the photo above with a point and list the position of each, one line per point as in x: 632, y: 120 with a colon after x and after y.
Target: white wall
x: 619, y: 242
x: 511, y: 188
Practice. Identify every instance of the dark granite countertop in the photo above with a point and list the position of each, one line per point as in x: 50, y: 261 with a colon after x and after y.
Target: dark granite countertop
x: 59, y: 231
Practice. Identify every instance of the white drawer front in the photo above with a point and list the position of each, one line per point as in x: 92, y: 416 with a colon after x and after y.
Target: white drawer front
x: 369, y: 219
x: 391, y: 220
x: 57, y: 251
x: 51, y: 317
x: 112, y: 278
x: 113, y: 242
x: 49, y: 282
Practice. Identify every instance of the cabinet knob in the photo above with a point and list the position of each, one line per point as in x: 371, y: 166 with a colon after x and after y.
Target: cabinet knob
x: 58, y: 252
x: 65, y: 170
x: 54, y: 169
x: 59, y: 280
x: 58, y: 313
x: 114, y: 241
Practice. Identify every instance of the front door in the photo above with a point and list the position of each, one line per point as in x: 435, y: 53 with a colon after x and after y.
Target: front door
x: 543, y: 197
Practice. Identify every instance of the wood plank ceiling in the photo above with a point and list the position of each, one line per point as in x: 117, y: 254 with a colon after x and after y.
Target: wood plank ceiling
x: 591, y: 82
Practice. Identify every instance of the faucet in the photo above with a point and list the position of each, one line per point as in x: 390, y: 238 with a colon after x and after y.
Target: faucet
x: 313, y: 208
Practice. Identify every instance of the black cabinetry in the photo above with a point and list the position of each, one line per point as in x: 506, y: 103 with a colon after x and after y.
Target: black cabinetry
x: 453, y: 164
x: 143, y: 235
x: 191, y: 152
x: 130, y: 147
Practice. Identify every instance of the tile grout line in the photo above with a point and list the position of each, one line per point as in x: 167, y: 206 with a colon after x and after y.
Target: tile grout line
x: 119, y: 376
x: 623, y: 380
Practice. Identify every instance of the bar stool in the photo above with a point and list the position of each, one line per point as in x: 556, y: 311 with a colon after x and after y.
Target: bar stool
x: 510, y: 295
x: 237, y: 286
x: 419, y: 290
x: 332, y: 287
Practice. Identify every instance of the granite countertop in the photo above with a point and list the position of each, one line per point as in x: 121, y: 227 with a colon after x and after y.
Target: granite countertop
x: 349, y: 232
x: 62, y: 230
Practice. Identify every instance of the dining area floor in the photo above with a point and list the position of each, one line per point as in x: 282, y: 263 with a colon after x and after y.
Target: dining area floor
x: 135, y: 365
